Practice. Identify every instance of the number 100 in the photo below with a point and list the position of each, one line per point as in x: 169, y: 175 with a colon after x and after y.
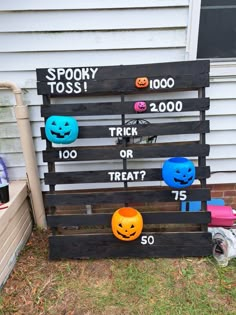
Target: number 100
x: 67, y: 154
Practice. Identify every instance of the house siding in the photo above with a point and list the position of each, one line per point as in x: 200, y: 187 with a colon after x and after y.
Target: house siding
x: 60, y: 33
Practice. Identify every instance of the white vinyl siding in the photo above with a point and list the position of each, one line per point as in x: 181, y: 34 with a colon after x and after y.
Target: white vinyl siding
x: 64, y: 33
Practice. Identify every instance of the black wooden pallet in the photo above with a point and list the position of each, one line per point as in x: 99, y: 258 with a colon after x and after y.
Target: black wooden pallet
x: 70, y: 237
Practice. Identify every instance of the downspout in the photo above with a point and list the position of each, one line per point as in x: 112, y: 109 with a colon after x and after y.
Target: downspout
x: 23, y: 123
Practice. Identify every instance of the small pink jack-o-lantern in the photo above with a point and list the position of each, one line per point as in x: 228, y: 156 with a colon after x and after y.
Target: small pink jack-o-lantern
x: 140, y: 106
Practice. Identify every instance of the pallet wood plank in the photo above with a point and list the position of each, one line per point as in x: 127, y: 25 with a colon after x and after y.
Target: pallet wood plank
x: 121, y: 79
x: 171, y: 245
x: 125, y: 196
x: 159, y: 129
x: 139, y: 151
x: 126, y: 71
x: 118, y: 108
x: 148, y: 218
x: 154, y: 174
x: 121, y: 86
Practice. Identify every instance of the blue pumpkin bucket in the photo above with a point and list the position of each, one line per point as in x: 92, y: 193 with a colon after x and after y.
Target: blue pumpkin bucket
x: 178, y: 172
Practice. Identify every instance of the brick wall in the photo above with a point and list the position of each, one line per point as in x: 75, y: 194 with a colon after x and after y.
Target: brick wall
x: 223, y: 191
x: 226, y: 192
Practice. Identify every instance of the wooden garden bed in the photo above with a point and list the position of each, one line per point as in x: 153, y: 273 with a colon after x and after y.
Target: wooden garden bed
x: 15, y: 227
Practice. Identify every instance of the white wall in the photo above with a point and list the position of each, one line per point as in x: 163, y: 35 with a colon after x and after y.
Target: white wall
x: 222, y: 115
x: 75, y: 33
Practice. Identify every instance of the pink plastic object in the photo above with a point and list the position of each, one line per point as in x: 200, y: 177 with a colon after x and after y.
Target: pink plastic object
x: 140, y: 106
x: 221, y: 216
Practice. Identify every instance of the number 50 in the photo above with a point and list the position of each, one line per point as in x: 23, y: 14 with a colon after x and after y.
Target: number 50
x: 147, y: 240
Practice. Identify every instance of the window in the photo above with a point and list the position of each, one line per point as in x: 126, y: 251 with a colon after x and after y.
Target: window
x: 217, y: 30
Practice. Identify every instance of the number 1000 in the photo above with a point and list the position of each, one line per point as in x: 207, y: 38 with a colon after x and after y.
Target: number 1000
x: 162, y: 83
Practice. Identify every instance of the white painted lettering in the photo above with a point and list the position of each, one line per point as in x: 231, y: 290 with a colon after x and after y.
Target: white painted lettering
x: 94, y: 71
x: 117, y: 176
x: 134, y: 131
x: 123, y: 154
x: 85, y: 74
x: 135, y: 174
x: 127, y: 131
x: 65, y: 87
x: 130, y: 154
x: 123, y: 131
x: 123, y: 176
x: 126, y: 154
x: 77, y: 89
x: 51, y: 84
x: 77, y: 74
x: 119, y: 132
x: 60, y: 72
x: 69, y: 86
x: 60, y: 87
x: 111, y: 174
x: 142, y: 173
x: 131, y: 176
x: 69, y: 74
x: 112, y: 129
x: 51, y: 71
x: 62, y: 80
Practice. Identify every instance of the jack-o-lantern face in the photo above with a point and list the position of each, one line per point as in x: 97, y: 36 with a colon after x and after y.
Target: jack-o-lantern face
x: 127, y: 224
x: 141, y: 82
x: 61, y: 129
x: 178, y: 172
x: 140, y: 107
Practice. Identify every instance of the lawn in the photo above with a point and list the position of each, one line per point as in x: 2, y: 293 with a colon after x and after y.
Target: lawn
x: 116, y: 286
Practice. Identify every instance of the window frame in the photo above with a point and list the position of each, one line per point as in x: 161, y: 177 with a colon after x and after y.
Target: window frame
x: 221, y: 68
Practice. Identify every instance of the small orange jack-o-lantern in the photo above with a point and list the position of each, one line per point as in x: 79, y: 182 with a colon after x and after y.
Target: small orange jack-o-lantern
x: 127, y: 224
x: 141, y: 82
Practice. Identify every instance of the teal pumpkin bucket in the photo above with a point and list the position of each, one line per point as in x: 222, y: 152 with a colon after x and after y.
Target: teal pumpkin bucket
x: 61, y: 129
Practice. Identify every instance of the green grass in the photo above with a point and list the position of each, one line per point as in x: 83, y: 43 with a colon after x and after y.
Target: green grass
x: 133, y: 286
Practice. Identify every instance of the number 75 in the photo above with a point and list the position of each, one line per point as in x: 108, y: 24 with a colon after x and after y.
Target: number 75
x: 180, y: 194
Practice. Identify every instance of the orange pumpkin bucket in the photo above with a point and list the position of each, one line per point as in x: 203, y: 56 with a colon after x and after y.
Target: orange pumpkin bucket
x: 127, y: 224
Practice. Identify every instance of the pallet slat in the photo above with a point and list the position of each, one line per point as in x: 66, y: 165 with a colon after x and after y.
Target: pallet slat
x: 139, y: 151
x: 191, y: 68
x: 121, y: 86
x: 125, y: 196
x: 106, y: 246
x: 118, y: 108
x: 148, y: 218
x: 116, y: 80
x: 187, y: 127
x: 154, y: 174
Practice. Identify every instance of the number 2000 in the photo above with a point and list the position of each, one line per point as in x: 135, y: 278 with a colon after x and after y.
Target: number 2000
x: 166, y: 107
